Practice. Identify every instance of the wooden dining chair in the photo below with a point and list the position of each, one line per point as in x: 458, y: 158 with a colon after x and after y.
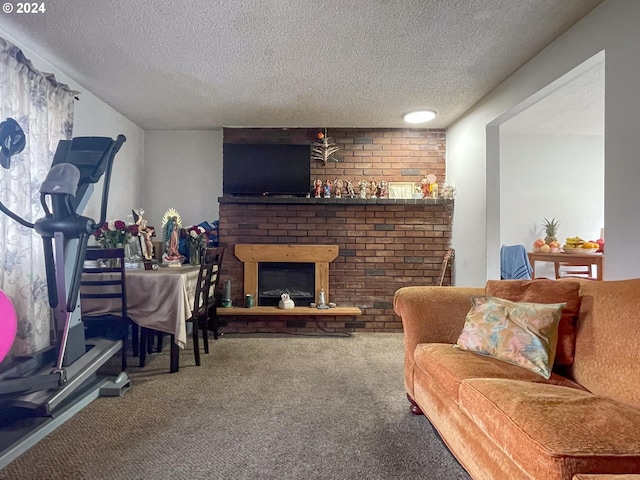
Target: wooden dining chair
x: 103, y: 277
x: 204, y: 298
x: 212, y: 321
x: 569, y: 270
x: 203, y: 307
x: 210, y: 263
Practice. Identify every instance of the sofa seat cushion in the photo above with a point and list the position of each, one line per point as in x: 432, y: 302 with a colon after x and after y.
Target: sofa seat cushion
x: 553, y: 431
x: 449, y: 366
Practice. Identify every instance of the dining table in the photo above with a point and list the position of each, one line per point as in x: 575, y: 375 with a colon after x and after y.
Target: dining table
x: 576, y: 259
x: 158, y: 299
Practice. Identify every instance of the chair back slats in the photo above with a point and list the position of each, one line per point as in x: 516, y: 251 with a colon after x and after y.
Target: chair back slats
x: 90, y: 283
x: 103, y: 277
x: 210, y: 264
x: 208, y: 275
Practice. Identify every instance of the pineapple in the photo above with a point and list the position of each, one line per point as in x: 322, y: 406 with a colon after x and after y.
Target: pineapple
x: 551, y: 229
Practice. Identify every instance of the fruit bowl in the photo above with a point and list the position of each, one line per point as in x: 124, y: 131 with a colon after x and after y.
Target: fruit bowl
x: 579, y: 251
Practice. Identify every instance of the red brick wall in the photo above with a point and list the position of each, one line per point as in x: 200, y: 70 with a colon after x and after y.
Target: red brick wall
x: 365, y: 154
x: 382, y: 248
x: 384, y: 244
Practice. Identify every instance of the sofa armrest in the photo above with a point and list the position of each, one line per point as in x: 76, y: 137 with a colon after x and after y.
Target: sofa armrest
x: 430, y: 315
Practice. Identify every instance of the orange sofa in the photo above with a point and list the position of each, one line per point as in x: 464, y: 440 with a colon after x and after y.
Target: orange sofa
x: 502, y: 421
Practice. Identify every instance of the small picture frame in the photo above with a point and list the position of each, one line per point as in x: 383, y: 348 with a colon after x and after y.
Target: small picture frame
x: 401, y: 189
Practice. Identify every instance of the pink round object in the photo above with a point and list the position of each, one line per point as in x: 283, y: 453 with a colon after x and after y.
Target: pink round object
x: 8, y: 325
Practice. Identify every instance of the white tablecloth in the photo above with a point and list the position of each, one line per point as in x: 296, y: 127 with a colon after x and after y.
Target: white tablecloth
x: 159, y: 299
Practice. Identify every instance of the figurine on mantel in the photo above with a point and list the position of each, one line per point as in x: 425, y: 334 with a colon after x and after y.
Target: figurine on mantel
x: 429, y: 186
x: 339, y: 185
x: 362, y: 185
x: 285, y: 303
x: 424, y: 186
x: 374, y: 189
x: 327, y: 189
x: 383, y: 189
x: 317, y: 188
x: 350, y: 190
x: 448, y: 191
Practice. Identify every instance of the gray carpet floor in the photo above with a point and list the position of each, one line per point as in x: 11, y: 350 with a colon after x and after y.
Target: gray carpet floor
x: 260, y: 407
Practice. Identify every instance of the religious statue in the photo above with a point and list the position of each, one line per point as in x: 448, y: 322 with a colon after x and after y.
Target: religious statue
x: 171, y: 225
x: 172, y: 243
x: 145, y: 232
x: 350, y: 191
x: 362, y: 185
x: 317, y: 188
x: 374, y: 189
x: 448, y: 191
x: 339, y: 186
x: 383, y: 189
x: 327, y: 189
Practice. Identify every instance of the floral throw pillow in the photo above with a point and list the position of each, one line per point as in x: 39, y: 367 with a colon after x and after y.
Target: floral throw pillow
x: 542, y: 290
x: 521, y: 333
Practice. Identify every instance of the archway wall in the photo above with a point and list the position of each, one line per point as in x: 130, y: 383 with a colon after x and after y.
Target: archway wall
x: 476, y: 227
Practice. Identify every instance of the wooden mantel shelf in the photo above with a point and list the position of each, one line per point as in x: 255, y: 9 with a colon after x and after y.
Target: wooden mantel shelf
x: 295, y: 311
x: 334, y: 201
x: 286, y: 253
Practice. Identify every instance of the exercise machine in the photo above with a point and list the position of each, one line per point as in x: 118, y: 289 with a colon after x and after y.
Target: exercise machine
x: 56, y: 381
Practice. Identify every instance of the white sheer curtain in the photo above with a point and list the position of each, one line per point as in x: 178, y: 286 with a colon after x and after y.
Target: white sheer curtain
x: 44, y: 110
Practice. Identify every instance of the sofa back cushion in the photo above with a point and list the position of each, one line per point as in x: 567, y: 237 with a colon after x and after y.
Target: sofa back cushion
x: 543, y: 290
x: 607, y: 354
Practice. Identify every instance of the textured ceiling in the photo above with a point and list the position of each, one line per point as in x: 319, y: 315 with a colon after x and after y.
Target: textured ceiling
x: 175, y: 64
x: 576, y: 108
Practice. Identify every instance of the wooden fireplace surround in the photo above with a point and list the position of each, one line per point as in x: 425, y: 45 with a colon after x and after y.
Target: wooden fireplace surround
x: 320, y: 255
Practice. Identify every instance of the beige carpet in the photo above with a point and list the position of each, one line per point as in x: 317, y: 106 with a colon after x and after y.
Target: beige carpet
x: 259, y: 408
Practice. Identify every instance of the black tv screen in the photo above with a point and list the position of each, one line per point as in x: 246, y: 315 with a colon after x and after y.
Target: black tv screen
x: 266, y: 169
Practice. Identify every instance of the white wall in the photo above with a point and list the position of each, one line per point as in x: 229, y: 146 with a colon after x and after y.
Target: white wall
x: 555, y: 176
x: 611, y: 27
x: 185, y: 173
x: 92, y: 117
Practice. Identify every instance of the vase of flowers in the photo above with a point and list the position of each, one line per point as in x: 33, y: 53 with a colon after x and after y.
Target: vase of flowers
x: 196, y: 241
x: 116, y: 234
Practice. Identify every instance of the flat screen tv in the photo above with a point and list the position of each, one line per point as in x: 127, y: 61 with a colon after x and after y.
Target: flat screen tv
x: 266, y: 169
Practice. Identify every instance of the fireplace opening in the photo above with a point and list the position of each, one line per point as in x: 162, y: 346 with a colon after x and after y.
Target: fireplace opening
x: 276, y: 278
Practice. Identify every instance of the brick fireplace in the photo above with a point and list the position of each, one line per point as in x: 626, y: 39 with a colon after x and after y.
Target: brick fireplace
x: 381, y: 247
x: 383, y: 244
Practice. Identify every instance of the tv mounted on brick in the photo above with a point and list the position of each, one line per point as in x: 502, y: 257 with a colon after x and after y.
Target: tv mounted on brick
x: 266, y: 169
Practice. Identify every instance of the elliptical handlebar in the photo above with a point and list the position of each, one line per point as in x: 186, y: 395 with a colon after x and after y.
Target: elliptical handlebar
x: 107, y: 181
x: 93, y: 156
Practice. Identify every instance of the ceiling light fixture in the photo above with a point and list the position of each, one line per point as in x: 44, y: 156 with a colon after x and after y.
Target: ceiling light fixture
x: 420, y: 116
